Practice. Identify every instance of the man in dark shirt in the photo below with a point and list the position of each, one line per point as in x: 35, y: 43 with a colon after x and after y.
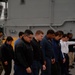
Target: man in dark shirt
x: 47, y: 49
x: 7, y: 54
x: 24, y: 55
x: 56, y: 68
x: 1, y: 42
x: 21, y: 34
x: 38, y: 55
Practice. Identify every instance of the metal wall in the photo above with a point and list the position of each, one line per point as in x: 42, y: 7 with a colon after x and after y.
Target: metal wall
x: 40, y: 14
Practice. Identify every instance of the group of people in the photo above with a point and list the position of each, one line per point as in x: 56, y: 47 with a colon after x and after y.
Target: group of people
x: 38, y: 54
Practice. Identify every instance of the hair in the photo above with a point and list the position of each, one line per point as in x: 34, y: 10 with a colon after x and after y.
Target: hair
x: 70, y: 35
x: 65, y: 35
x: 1, y: 34
x: 9, y: 38
x: 59, y: 33
x: 20, y: 34
x: 39, y: 32
x: 50, y: 32
x: 28, y: 32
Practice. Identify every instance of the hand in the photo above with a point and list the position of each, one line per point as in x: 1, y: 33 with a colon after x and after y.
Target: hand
x: 28, y: 70
x: 6, y: 63
x: 44, y: 67
x: 64, y: 60
x: 53, y: 61
x: 44, y: 62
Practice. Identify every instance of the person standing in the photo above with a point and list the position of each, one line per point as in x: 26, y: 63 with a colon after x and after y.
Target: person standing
x: 71, y: 51
x: 21, y: 34
x: 24, y: 55
x: 1, y: 42
x: 7, y: 54
x: 56, y: 67
x: 47, y: 49
x: 39, y: 61
x: 65, y: 50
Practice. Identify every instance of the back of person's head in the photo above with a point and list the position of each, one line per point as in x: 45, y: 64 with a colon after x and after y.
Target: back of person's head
x: 65, y: 35
x: 28, y: 32
x: 59, y: 33
x: 38, y: 32
x: 20, y: 33
x: 50, y: 31
x: 70, y: 35
x: 9, y: 38
x: 1, y: 34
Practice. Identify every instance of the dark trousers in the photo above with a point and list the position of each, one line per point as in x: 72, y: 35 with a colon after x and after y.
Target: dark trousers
x: 65, y: 66
x: 36, y: 67
x: 19, y: 70
x: 1, y: 67
x: 7, y: 68
x: 48, y: 67
x: 56, y: 69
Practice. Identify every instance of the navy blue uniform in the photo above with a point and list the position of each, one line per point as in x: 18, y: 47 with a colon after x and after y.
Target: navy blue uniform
x: 56, y: 68
x: 47, y: 49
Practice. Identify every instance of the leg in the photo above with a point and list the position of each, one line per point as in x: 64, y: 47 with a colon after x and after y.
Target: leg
x: 36, y: 67
x: 1, y: 67
x: 70, y: 58
x: 18, y: 70
x: 7, y: 68
x: 54, y: 69
x: 48, y: 67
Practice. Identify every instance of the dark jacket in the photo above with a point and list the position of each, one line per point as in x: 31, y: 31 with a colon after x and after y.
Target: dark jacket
x: 71, y: 47
x: 57, y: 50
x: 37, y: 50
x: 7, y: 53
x: 23, y: 54
x: 47, y: 48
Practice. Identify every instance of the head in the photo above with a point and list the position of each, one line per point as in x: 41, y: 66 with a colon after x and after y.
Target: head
x: 28, y: 35
x: 58, y: 35
x: 21, y: 34
x: 39, y: 35
x: 61, y: 33
x: 9, y: 40
x: 65, y: 37
x: 1, y: 34
x: 50, y: 34
x: 70, y: 35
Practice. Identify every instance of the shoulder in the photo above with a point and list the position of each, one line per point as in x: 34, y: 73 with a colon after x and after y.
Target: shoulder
x: 20, y: 43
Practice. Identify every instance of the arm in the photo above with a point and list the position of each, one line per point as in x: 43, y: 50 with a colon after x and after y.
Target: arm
x: 20, y: 56
x: 70, y: 42
x: 47, y: 49
x: 43, y: 48
x: 3, y: 53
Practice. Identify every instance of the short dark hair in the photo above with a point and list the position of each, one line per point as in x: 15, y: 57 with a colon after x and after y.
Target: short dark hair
x: 65, y: 35
x: 60, y: 33
x: 50, y: 32
x: 20, y: 33
x: 70, y: 35
x: 28, y: 32
x: 9, y: 38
